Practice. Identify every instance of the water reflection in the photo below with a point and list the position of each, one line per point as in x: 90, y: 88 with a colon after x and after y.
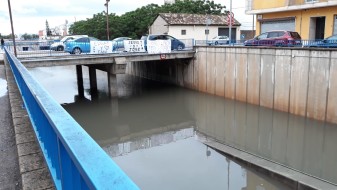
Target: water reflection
x: 150, y: 131
x: 303, y: 144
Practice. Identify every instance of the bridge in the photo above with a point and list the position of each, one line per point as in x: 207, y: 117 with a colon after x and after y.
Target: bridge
x: 219, y: 71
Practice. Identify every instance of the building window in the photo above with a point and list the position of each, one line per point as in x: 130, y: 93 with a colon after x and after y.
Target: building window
x: 183, y: 32
x: 310, y: 1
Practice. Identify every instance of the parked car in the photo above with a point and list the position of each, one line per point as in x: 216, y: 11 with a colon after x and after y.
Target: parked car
x: 276, y: 38
x: 175, y: 43
x: 329, y: 42
x: 218, y: 40
x: 79, y: 45
x: 59, y: 46
x: 118, y: 43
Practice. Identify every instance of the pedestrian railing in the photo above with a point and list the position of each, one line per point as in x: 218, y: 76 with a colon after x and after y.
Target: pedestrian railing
x: 74, y: 159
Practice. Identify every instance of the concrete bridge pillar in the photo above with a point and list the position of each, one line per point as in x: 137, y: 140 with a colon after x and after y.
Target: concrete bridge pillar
x: 93, y: 83
x: 80, y: 87
x: 112, y: 82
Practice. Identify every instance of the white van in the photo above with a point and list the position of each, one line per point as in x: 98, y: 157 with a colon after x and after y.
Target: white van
x: 59, y: 46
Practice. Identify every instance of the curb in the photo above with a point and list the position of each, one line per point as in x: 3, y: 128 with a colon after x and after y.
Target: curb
x: 33, y: 169
x: 294, y: 179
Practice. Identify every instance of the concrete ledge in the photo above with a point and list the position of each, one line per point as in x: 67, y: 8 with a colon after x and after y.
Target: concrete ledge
x: 33, y: 169
x: 294, y: 179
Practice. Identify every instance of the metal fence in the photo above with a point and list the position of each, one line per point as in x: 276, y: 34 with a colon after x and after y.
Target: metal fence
x: 74, y: 159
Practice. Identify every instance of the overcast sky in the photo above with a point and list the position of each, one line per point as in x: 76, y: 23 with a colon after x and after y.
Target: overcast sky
x: 29, y: 16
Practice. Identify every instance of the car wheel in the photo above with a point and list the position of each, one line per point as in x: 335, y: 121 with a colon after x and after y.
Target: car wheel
x: 60, y: 48
x: 216, y: 43
x: 180, y: 47
x: 77, y: 51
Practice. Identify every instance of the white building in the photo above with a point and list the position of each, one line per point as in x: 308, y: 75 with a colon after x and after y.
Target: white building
x: 185, y: 26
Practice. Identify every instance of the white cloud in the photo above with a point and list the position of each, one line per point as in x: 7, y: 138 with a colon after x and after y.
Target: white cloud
x: 30, y: 16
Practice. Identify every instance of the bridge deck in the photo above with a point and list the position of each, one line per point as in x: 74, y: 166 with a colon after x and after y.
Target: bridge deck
x: 91, y: 59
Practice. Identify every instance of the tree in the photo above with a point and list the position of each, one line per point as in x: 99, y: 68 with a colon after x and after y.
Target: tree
x: 48, y: 31
x: 134, y: 24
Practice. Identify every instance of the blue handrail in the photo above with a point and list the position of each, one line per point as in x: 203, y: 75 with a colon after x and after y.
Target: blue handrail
x: 74, y: 159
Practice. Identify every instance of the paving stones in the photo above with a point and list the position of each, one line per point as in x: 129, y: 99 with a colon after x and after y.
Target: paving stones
x: 34, y: 172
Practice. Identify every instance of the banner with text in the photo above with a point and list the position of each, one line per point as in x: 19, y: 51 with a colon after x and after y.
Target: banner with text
x: 158, y: 46
x: 134, y: 45
x: 100, y: 47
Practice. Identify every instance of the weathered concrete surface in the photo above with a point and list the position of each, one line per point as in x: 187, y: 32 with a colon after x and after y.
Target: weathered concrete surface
x: 230, y: 73
x: 267, y: 78
x: 253, y: 79
x: 318, y: 84
x: 282, y: 79
x: 220, y: 72
x: 241, y: 75
x: 32, y: 169
x: 298, y: 81
x: 332, y: 95
x: 10, y: 177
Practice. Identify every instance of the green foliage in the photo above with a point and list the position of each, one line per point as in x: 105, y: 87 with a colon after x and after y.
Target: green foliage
x: 134, y: 24
x: 48, y: 31
x: 30, y: 36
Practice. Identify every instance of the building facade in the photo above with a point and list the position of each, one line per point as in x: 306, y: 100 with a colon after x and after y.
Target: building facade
x: 312, y: 19
x: 195, y: 26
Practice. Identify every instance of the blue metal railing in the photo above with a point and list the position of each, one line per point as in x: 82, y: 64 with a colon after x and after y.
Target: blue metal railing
x: 74, y: 159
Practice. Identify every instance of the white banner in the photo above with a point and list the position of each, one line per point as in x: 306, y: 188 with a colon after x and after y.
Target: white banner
x: 100, y: 47
x: 134, y: 45
x: 158, y: 46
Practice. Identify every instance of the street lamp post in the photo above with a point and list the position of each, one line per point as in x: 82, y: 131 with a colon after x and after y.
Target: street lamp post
x: 107, y: 18
x: 10, y: 15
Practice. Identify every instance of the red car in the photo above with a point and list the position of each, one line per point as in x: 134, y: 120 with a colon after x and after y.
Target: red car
x: 276, y: 38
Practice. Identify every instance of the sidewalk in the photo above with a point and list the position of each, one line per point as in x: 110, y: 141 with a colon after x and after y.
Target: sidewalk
x: 26, y: 162
x: 10, y: 177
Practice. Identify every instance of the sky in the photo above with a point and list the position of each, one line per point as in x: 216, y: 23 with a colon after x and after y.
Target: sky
x: 29, y: 16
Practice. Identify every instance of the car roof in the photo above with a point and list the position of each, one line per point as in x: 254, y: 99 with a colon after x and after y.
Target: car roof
x: 121, y: 38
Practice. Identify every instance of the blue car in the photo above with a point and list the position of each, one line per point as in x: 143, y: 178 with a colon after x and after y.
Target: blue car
x: 329, y: 42
x: 118, y: 43
x: 79, y: 45
x: 175, y: 43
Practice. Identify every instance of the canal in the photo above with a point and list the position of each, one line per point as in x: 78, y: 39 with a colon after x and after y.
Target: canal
x: 152, y: 131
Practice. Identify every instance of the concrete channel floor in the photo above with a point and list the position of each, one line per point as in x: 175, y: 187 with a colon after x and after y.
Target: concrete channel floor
x: 24, y: 166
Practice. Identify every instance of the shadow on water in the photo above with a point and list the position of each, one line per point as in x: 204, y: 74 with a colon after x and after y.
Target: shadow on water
x: 151, y: 130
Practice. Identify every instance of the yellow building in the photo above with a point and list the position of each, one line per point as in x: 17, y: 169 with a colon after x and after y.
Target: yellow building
x: 312, y: 19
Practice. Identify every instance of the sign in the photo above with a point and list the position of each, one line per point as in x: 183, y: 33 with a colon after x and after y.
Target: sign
x: 134, y: 45
x: 230, y: 19
x: 100, y: 47
x: 158, y: 46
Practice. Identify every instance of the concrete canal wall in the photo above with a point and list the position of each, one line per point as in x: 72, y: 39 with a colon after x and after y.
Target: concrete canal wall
x: 299, y: 81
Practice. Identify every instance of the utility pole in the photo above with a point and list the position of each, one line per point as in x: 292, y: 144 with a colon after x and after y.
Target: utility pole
x: 107, y: 18
x: 10, y: 15
x: 230, y: 22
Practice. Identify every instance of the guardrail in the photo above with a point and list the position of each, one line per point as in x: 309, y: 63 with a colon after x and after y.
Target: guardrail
x: 74, y: 159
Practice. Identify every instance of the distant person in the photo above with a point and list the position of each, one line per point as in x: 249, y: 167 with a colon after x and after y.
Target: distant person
x: 2, y: 43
